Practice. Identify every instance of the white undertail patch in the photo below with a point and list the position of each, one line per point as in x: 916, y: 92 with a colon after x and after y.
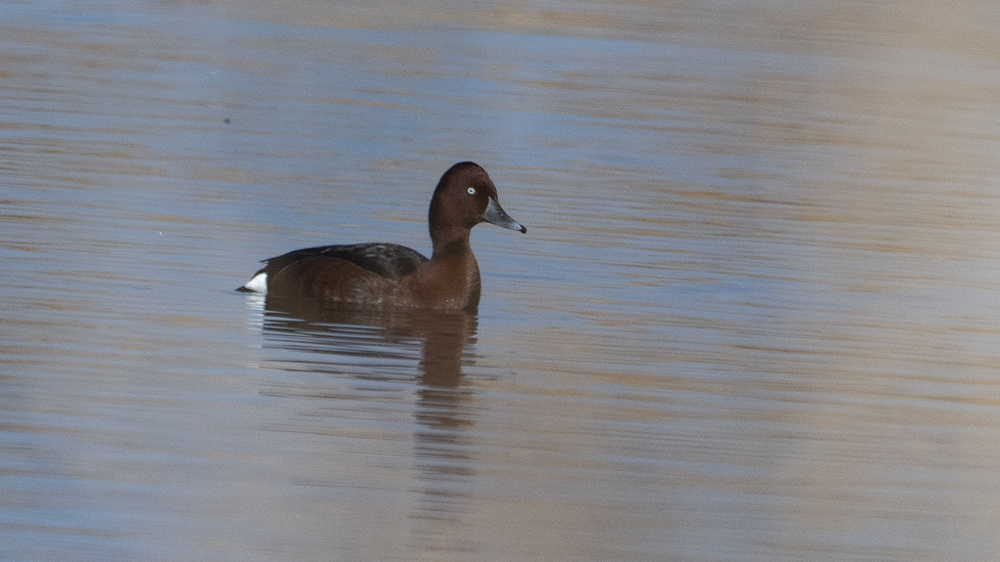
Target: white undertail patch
x: 257, y: 284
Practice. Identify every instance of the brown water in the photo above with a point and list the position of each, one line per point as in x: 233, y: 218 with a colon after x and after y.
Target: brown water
x: 755, y: 316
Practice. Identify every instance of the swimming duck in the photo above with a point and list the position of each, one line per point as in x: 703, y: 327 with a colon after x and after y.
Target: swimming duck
x: 390, y: 275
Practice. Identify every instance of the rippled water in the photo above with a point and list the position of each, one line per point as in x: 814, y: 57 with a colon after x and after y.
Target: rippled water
x: 754, y: 316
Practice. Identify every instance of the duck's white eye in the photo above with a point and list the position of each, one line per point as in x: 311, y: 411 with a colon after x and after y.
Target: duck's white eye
x: 471, y: 190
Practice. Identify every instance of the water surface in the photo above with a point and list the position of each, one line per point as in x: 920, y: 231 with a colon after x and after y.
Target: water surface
x: 754, y: 316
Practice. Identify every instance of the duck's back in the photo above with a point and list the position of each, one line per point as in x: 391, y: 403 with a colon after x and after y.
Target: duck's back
x: 391, y: 261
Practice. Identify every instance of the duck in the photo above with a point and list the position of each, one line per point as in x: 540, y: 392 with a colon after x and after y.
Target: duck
x: 385, y: 275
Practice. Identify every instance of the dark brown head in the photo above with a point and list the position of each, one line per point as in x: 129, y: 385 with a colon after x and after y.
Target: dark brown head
x: 465, y: 197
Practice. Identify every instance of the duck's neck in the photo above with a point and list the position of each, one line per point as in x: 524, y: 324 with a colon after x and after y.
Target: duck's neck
x: 451, y: 244
x: 453, y: 274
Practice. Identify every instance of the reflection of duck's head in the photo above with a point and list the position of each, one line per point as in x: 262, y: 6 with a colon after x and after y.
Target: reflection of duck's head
x: 394, y: 276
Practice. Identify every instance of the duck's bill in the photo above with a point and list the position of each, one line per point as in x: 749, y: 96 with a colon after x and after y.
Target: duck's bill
x: 496, y: 215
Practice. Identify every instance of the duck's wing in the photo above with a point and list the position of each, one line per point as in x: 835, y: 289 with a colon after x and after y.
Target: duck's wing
x: 391, y: 261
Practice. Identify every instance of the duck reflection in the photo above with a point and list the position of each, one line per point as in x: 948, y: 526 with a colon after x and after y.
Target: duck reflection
x: 393, y: 346
x: 444, y: 338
